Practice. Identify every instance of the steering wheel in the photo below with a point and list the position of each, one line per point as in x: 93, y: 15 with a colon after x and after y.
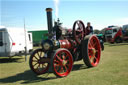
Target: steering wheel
x: 78, y: 31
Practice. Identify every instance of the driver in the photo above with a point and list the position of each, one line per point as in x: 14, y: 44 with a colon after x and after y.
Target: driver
x: 89, y: 28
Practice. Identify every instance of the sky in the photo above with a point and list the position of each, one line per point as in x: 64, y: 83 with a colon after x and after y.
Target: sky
x: 101, y: 13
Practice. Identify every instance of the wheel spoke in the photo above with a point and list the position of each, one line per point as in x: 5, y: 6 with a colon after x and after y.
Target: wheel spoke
x: 96, y: 59
x: 38, y: 66
x: 66, y: 68
x: 92, y: 59
x: 91, y: 43
x: 39, y: 69
x: 43, y: 65
x: 41, y: 54
x: 59, y: 58
x: 36, y: 58
x: 34, y: 61
x: 64, y: 57
x: 38, y: 55
x: 61, y: 70
x: 35, y: 64
x: 78, y: 24
x: 94, y: 44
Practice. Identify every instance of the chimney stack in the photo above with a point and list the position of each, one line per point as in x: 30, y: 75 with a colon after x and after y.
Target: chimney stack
x: 49, y: 20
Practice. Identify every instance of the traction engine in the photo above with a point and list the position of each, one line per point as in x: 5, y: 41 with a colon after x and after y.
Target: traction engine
x: 63, y: 47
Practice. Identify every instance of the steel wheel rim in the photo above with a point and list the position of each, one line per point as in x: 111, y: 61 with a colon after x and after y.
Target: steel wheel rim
x: 62, y: 63
x: 94, y: 50
x: 38, y: 66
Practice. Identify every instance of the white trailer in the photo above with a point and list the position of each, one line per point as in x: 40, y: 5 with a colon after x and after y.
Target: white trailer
x: 13, y: 41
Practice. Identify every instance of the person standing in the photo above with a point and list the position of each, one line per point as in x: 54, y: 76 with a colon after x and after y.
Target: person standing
x: 89, y: 28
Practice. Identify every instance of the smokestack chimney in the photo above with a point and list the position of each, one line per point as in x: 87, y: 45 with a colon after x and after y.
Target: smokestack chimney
x: 49, y: 20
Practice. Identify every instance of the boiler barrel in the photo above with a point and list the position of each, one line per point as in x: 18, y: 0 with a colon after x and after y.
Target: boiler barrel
x: 65, y: 44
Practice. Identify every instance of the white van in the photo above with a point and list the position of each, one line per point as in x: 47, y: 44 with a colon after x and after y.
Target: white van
x: 13, y: 41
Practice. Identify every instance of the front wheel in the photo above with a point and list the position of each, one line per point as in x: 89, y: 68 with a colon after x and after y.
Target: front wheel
x: 62, y: 62
x: 91, y: 50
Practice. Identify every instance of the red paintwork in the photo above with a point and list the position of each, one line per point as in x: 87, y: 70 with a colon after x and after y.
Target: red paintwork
x: 65, y: 44
x: 94, y: 50
x: 118, y: 34
x: 13, y: 43
x: 62, y: 64
x: 108, y: 28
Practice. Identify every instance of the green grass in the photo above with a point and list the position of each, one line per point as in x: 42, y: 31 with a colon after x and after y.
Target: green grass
x: 112, y: 70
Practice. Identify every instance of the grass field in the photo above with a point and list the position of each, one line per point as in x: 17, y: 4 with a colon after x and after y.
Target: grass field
x: 112, y: 70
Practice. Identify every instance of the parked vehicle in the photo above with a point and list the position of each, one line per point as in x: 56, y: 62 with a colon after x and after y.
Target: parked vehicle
x: 14, y: 41
x: 116, y: 34
x: 37, y: 36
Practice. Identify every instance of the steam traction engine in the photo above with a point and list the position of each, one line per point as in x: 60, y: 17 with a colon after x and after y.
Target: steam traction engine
x: 63, y: 47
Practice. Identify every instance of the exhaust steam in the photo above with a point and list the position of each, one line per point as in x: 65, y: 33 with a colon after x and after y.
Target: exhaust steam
x: 56, y: 3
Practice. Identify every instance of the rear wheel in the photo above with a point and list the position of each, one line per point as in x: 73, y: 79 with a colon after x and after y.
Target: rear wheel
x: 91, y: 51
x: 62, y: 62
x: 38, y: 62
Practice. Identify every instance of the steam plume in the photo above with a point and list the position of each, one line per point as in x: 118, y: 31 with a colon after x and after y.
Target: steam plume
x: 56, y: 2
